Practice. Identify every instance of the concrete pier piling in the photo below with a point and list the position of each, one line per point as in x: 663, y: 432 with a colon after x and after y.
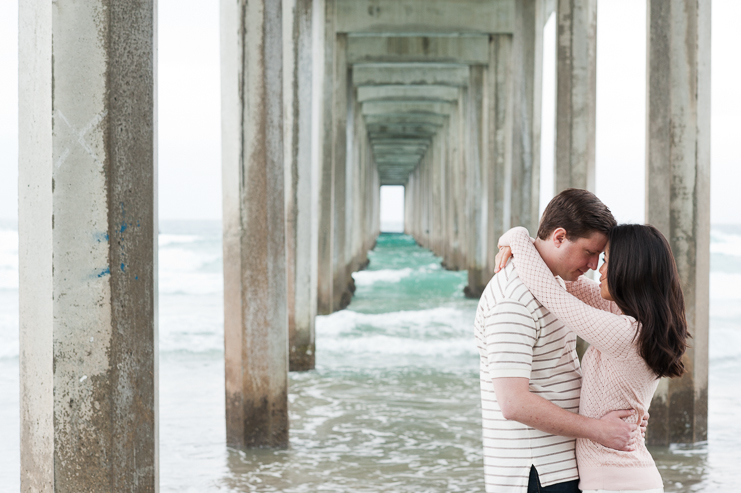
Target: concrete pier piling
x: 576, y: 94
x: 255, y: 281
x: 88, y: 249
x: 678, y: 195
x: 300, y: 194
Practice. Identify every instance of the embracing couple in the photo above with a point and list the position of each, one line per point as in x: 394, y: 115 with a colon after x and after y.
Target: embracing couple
x: 549, y: 423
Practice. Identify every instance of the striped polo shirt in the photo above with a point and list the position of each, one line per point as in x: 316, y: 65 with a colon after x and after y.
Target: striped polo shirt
x: 518, y: 337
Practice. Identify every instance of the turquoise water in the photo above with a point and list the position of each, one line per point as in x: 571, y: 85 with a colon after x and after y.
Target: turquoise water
x: 394, y: 402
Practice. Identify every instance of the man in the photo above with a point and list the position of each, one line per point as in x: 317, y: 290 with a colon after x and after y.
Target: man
x: 530, y: 372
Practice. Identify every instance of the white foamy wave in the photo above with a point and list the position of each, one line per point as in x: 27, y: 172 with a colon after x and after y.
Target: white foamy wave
x: 395, y: 346
x: 725, y: 286
x: 178, y: 260
x: 725, y: 243
x: 168, y: 239
x: 368, y: 277
x: 194, y: 342
x: 191, y: 283
x: 435, y: 323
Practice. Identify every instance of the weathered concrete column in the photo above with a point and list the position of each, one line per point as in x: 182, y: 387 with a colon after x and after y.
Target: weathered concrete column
x: 451, y: 133
x: 356, y: 152
x: 410, y: 197
x: 301, y: 230
x: 408, y: 205
x: 576, y: 94
x: 462, y: 173
x: 341, y: 295
x: 678, y: 195
x: 450, y: 192
x: 88, y: 248
x: 376, y: 210
x: 498, y: 148
x: 437, y: 196
x: 527, y: 75
x: 478, y: 172
x: 441, y: 163
x: 326, y: 33
x: 255, y: 293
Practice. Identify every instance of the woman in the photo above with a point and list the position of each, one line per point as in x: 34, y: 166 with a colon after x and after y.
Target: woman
x: 634, y: 322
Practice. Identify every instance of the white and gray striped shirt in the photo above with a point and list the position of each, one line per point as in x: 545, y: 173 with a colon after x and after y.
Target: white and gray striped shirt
x: 518, y: 337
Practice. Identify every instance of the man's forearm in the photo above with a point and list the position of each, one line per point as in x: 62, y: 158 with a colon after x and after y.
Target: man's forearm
x: 519, y: 404
x: 543, y: 415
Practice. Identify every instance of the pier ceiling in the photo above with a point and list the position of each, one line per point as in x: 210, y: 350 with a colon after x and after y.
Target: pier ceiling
x: 421, y: 16
x: 412, y: 66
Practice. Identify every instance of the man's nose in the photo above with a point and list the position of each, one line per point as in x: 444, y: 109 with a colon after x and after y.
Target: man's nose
x: 593, y: 262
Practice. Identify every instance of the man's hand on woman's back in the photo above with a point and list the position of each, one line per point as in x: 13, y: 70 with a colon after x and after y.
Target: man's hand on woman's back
x: 617, y: 434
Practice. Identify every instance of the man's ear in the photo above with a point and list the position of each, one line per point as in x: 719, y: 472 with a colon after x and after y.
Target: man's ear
x: 558, y: 237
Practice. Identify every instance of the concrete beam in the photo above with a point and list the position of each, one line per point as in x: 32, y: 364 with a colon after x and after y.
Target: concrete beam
x: 468, y: 49
x: 403, y: 128
x: 576, y: 94
x: 403, y: 131
x: 368, y: 74
x: 255, y: 296
x: 405, y: 119
x: 415, y: 93
x: 420, y: 138
x: 380, y: 149
x: 678, y: 196
x: 425, y: 16
x: 396, y: 107
x: 396, y: 177
x: 396, y: 159
x: 397, y: 140
x: 88, y: 246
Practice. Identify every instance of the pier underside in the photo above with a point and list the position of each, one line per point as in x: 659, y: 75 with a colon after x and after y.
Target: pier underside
x: 323, y: 102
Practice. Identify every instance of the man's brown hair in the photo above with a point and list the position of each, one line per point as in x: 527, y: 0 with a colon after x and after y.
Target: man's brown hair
x: 577, y: 211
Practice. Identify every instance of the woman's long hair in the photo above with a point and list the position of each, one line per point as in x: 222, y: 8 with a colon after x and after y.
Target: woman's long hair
x: 643, y: 280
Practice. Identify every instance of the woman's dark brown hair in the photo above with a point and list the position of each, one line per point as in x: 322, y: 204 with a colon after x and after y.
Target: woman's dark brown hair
x: 643, y: 280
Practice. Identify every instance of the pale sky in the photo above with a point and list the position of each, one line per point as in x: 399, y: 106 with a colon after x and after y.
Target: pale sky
x: 189, y: 107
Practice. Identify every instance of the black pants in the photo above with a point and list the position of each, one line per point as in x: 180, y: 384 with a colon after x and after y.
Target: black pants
x: 533, y: 485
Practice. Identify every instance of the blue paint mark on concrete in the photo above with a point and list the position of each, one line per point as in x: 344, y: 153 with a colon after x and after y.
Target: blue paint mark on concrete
x: 136, y: 278
x: 137, y: 224
x: 104, y: 272
x: 123, y: 227
x: 123, y: 268
x: 100, y: 237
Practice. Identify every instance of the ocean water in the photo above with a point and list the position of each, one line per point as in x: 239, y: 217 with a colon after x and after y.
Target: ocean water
x: 394, y: 402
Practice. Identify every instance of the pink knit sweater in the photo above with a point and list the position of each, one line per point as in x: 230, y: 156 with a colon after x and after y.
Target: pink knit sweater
x: 615, y: 376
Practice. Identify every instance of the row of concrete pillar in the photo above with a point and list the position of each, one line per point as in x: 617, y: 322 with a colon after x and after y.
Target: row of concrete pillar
x: 480, y: 176
x: 300, y: 213
x: 301, y: 202
x: 323, y: 101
